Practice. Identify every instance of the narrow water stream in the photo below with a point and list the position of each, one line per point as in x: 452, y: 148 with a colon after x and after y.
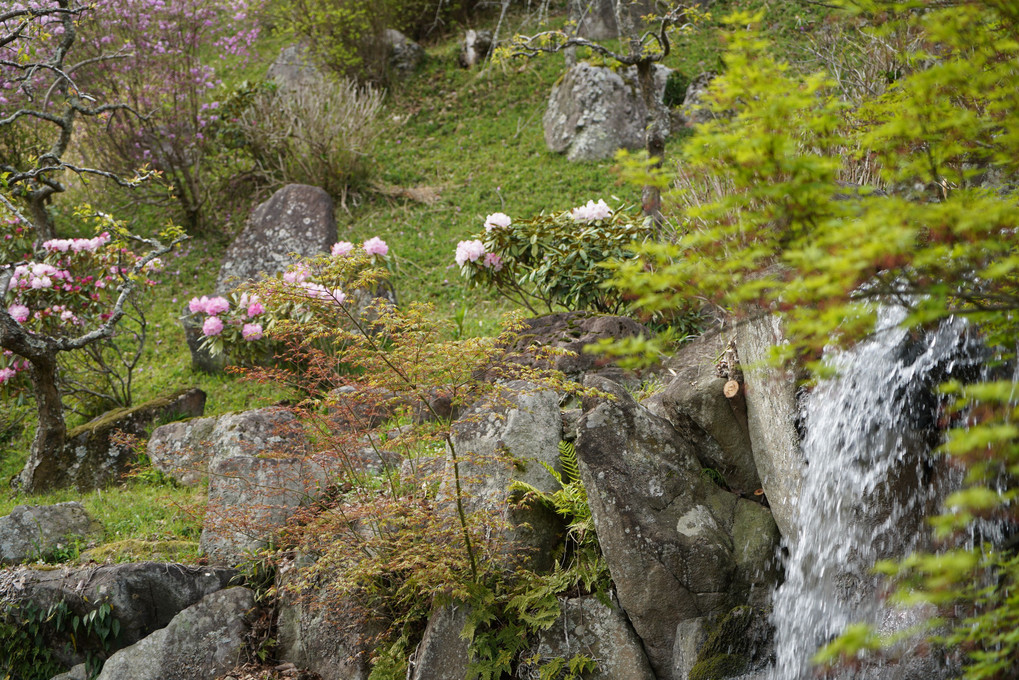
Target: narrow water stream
x: 867, y: 483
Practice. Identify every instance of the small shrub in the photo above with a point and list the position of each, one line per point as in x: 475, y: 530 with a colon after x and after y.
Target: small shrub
x: 675, y: 89
x: 555, y: 258
x: 313, y: 133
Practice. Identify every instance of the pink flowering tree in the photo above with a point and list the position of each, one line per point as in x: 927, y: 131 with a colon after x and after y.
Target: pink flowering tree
x: 63, y: 297
x: 170, y: 49
x: 555, y: 259
x: 44, y: 100
x: 243, y: 324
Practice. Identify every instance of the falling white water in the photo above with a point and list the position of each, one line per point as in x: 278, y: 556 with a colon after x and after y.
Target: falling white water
x: 867, y: 482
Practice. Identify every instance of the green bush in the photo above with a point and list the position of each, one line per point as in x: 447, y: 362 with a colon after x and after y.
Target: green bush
x: 553, y: 259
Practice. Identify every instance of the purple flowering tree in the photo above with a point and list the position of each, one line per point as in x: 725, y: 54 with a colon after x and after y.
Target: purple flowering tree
x: 167, y: 75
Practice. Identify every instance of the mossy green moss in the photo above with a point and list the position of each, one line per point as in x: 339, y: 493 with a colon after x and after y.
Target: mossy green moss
x: 740, y: 640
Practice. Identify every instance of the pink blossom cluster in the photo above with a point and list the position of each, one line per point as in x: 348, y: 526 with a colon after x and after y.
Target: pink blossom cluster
x: 317, y: 291
x: 373, y: 246
x: 472, y: 251
x: 212, y: 306
x: 376, y: 246
x: 216, y: 307
x: 37, y: 275
x: 77, y: 245
x: 14, y: 367
x: 591, y: 212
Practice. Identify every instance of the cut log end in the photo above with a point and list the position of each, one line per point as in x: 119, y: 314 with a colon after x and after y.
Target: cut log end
x: 731, y: 389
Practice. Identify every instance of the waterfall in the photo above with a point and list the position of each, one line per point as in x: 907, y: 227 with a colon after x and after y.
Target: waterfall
x: 867, y: 483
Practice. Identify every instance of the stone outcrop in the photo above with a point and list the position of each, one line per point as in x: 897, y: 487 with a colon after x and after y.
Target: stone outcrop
x: 200, y: 643
x: 95, y: 461
x: 772, y: 414
x: 293, y: 68
x: 573, y: 331
x: 34, y: 531
x: 326, y: 636
x: 694, y: 109
x: 678, y: 546
x: 250, y: 497
x: 296, y: 219
x: 596, y: 19
x: 404, y: 53
x: 602, y: 633
x: 185, y: 449
x: 595, y: 111
x: 694, y: 402
x: 507, y: 437
x: 442, y: 654
x: 144, y: 596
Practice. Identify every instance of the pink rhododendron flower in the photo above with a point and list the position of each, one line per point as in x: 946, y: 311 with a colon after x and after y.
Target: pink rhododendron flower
x: 255, y: 308
x: 252, y: 331
x: 496, y: 220
x: 375, y: 246
x: 19, y: 313
x: 469, y: 250
x: 297, y: 274
x: 217, y: 305
x: 342, y: 248
x: 591, y: 212
x: 6, y: 374
x: 492, y: 261
x: 212, y: 326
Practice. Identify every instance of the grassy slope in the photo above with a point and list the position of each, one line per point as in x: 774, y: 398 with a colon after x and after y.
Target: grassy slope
x: 474, y: 137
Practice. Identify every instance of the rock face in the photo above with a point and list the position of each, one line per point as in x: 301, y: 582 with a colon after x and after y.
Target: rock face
x: 739, y: 643
x: 296, y: 219
x: 404, y: 53
x: 442, y: 654
x: 594, y: 111
x: 678, y: 546
x: 250, y: 497
x: 325, y: 637
x: 475, y: 48
x: 293, y: 69
x: 31, y: 531
x: 144, y: 596
x: 772, y: 412
x: 596, y: 19
x: 185, y: 449
x: 694, y: 109
x: 696, y: 406
x: 588, y: 627
x: 200, y: 643
x: 506, y: 438
x: 94, y: 461
x: 573, y: 331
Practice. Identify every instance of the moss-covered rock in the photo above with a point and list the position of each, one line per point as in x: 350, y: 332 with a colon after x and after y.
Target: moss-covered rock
x: 739, y: 642
x: 99, y: 460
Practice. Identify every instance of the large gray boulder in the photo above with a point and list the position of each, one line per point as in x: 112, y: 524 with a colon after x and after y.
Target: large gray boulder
x: 144, y: 596
x: 185, y: 449
x: 200, y: 643
x: 596, y: 19
x: 293, y: 68
x: 442, y: 654
x: 404, y: 53
x: 772, y: 413
x: 573, y: 331
x: 587, y: 626
x: 595, y: 111
x: 296, y: 219
x: 694, y: 402
x: 506, y: 437
x: 678, y: 546
x: 92, y: 460
x: 326, y: 634
x: 33, y: 531
x: 251, y: 497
